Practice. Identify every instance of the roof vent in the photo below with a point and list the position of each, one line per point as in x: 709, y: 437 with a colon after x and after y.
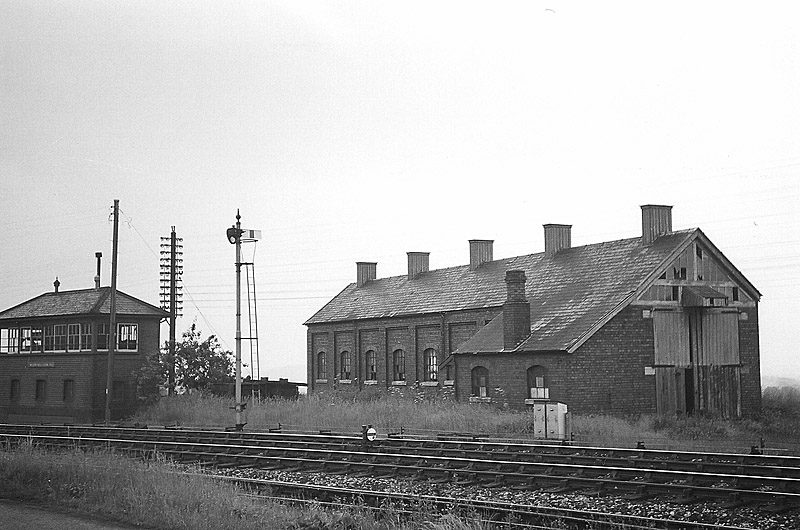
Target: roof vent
x: 556, y: 237
x: 656, y: 221
x: 365, y: 272
x: 480, y: 252
x: 417, y: 263
x: 56, y: 284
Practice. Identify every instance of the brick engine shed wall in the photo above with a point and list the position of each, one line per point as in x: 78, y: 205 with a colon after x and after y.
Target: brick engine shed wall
x: 605, y: 375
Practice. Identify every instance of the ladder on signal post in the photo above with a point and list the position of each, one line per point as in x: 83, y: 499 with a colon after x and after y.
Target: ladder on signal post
x: 252, y: 338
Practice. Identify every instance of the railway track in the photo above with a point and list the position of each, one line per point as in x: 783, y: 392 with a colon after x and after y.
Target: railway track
x: 730, y: 480
x: 508, y: 514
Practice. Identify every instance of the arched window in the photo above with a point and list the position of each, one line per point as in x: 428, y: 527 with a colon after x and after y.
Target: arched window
x: 398, y: 365
x: 345, y: 368
x: 431, y: 365
x: 480, y: 382
x: 372, y: 368
x: 322, y: 370
x: 537, y: 387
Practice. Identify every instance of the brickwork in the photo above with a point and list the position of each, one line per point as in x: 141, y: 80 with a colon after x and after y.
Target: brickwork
x: 749, y: 355
x: 413, y: 335
x: 605, y: 375
x: 88, y: 372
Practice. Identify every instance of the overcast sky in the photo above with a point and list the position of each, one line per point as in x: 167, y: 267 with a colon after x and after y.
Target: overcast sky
x: 359, y: 131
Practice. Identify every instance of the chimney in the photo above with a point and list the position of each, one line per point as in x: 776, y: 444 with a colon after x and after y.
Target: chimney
x: 417, y: 263
x: 56, y: 284
x: 480, y: 251
x: 516, y: 311
x: 97, y: 255
x: 365, y: 272
x: 656, y: 221
x: 556, y: 237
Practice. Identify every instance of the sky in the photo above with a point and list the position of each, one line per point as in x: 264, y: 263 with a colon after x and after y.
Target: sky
x: 358, y: 131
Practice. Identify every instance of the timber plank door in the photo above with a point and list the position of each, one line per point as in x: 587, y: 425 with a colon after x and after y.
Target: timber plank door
x: 715, y: 339
x: 674, y: 380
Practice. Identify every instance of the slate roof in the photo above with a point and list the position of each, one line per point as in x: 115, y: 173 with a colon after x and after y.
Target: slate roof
x: 570, y: 293
x: 81, y: 302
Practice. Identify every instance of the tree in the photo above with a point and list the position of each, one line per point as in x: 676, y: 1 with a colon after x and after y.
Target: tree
x: 198, y: 364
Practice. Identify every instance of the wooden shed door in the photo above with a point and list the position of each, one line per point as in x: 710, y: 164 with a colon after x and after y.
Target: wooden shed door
x: 672, y: 362
x: 718, y: 377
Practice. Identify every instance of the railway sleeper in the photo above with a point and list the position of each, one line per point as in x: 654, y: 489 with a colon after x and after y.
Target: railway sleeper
x: 640, y: 493
x: 687, y: 496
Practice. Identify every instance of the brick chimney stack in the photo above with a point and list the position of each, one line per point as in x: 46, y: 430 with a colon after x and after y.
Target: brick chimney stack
x: 656, y: 221
x: 480, y: 252
x: 556, y: 237
x: 417, y: 263
x: 516, y: 311
x: 365, y: 272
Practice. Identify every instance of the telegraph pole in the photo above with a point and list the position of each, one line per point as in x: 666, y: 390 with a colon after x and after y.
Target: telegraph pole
x: 112, y: 331
x: 171, y: 269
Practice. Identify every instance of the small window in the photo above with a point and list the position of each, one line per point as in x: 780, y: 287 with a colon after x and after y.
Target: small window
x: 102, y: 336
x: 372, y: 369
x: 398, y: 365
x: 14, y: 390
x: 9, y: 340
x: 431, y: 365
x: 345, y: 368
x: 537, y: 389
x: 69, y: 389
x: 60, y: 337
x: 25, y: 341
x: 480, y: 382
x: 73, y: 337
x: 699, y: 252
x: 36, y: 339
x: 127, y: 337
x: 86, y: 336
x: 663, y: 276
x: 49, y: 338
x: 41, y: 389
x: 676, y: 293
x: 679, y: 274
x: 322, y: 368
x: 735, y: 294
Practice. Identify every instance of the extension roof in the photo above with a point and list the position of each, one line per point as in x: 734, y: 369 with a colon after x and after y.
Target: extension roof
x: 571, y: 294
x: 81, y: 302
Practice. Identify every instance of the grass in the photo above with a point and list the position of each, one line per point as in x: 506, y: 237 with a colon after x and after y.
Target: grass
x: 153, y: 495
x: 777, y: 425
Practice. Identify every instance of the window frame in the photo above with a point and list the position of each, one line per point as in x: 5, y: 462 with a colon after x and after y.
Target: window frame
x: 124, y: 340
x: 322, y: 365
x: 398, y: 365
x: 345, y: 366
x: 430, y: 358
x: 477, y: 373
x: 9, y: 340
x: 371, y: 365
x: 60, y: 337
x: 103, y: 335
x: 536, y: 376
x: 73, y: 336
x: 86, y: 336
